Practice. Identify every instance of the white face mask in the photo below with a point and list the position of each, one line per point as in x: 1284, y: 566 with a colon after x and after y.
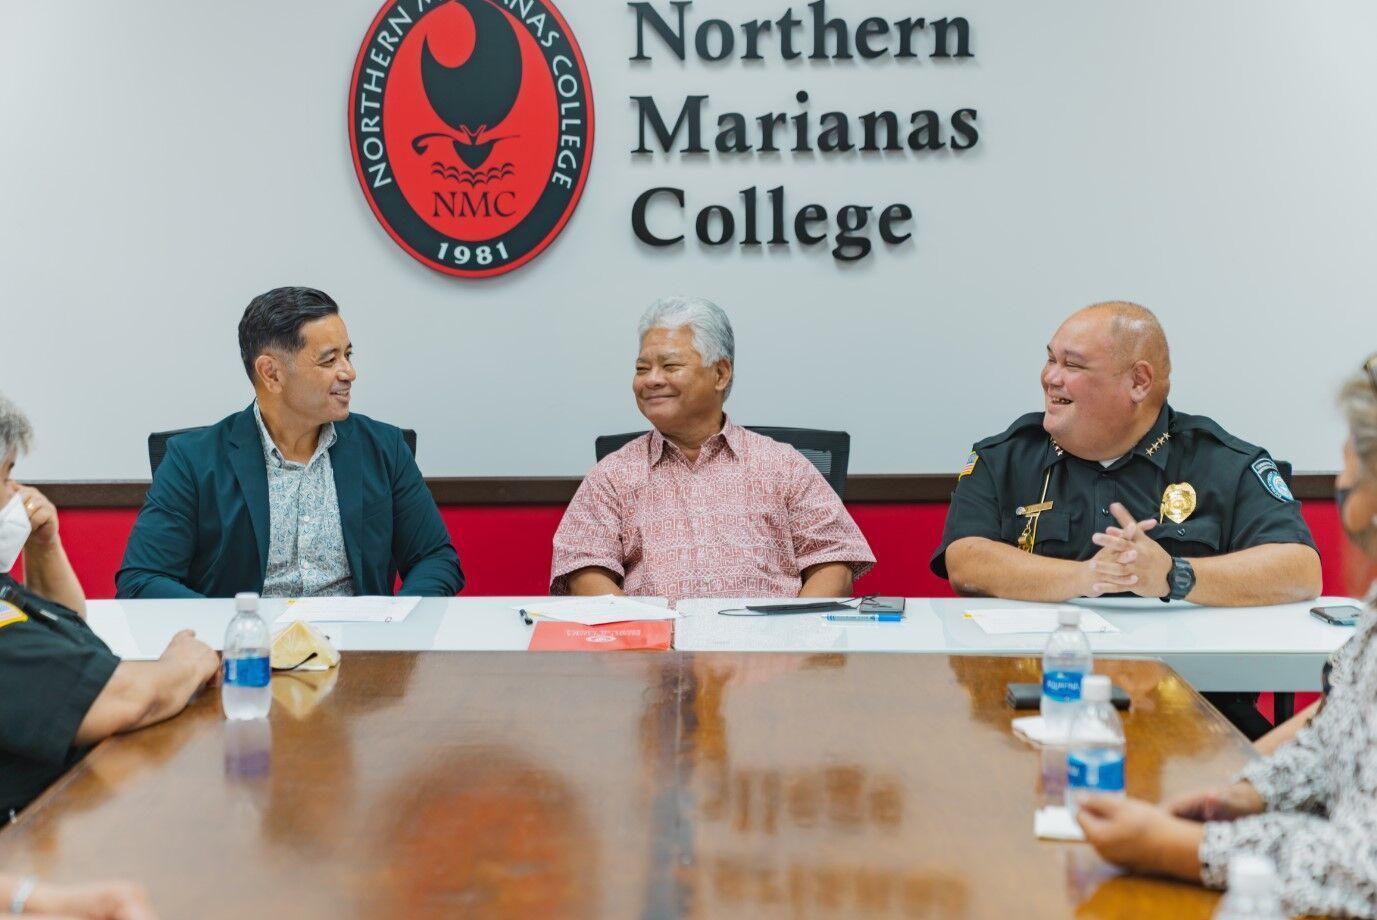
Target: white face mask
x: 14, y: 531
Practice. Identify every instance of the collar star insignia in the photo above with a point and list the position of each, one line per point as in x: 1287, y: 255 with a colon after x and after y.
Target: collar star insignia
x: 1156, y: 445
x: 1056, y: 447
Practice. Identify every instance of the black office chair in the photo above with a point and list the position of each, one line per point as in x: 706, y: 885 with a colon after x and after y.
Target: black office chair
x: 157, y: 444
x: 829, y: 451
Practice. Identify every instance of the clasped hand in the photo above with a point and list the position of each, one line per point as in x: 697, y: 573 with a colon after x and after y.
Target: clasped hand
x: 1128, y: 560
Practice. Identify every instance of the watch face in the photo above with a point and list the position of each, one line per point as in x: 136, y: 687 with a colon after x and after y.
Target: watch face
x: 1182, y: 578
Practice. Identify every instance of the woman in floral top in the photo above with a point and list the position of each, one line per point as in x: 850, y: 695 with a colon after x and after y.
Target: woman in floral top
x: 1311, y: 807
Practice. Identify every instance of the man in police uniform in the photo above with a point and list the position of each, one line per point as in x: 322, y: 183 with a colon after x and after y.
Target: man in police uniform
x: 1110, y: 490
x: 62, y: 690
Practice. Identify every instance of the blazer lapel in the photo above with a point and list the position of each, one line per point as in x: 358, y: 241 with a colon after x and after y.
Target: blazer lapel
x: 246, y: 457
x: 348, y: 471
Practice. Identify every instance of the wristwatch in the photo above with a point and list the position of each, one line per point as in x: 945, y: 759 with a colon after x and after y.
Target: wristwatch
x: 1180, y: 580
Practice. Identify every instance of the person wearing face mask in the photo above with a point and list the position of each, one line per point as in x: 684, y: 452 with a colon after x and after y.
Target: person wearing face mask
x: 1110, y: 490
x: 1359, y: 521
x: 61, y: 688
x: 699, y: 506
x: 28, y: 522
x: 294, y: 496
x: 1310, y: 806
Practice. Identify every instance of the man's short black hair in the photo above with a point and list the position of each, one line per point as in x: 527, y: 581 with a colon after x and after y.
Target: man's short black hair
x: 274, y: 320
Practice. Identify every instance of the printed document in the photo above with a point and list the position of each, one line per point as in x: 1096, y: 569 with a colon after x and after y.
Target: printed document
x: 367, y: 609
x: 594, y: 611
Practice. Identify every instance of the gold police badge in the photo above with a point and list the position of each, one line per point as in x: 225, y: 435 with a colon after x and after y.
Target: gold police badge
x: 1178, y: 502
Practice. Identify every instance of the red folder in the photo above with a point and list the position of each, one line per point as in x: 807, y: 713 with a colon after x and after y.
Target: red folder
x: 554, y: 636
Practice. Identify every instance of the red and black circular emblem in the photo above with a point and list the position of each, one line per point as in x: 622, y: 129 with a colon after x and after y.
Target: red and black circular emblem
x: 471, y: 128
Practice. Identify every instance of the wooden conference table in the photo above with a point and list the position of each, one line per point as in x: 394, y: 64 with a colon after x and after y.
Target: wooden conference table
x: 717, y: 784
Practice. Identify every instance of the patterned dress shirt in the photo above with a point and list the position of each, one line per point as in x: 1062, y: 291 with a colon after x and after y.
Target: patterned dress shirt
x: 743, y: 520
x: 306, y: 555
x: 1320, y: 790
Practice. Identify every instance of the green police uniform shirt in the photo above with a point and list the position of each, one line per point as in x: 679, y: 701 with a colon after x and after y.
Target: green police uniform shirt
x: 51, y: 671
x: 1241, y: 498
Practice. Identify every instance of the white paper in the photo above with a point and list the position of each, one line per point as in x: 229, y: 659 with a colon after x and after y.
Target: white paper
x: 368, y: 609
x: 1034, y: 729
x: 1012, y: 620
x: 1054, y: 822
x: 594, y: 611
x: 707, y: 629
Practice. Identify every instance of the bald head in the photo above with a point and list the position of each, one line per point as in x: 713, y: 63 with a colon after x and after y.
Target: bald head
x: 1106, y: 379
x: 1134, y: 334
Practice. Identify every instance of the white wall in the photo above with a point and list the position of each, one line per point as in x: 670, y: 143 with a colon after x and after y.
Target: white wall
x: 162, y: 161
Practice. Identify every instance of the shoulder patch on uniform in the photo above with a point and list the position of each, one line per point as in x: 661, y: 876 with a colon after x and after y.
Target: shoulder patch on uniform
x: 969, y: 467
x: 1270, y: 477
x: 10, y: 614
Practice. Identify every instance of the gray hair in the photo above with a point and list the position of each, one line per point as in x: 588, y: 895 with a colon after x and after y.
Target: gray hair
x: 1358, y: 400
x: 712, y: 331
x: 16, y: 433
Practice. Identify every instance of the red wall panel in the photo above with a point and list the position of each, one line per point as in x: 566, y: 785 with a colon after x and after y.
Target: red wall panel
x: 506, y: 548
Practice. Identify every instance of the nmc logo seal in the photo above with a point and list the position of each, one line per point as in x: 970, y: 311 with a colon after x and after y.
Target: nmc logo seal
x: 471, y: 127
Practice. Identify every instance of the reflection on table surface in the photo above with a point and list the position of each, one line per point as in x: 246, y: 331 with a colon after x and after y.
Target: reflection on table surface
x: 596, y: 785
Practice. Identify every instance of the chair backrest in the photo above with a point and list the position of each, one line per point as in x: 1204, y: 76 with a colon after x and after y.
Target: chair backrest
x: 829, y: 451
x: 157, y: 444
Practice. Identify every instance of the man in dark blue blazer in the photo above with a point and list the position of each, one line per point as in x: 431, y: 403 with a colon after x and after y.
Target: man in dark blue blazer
x: 294, y: 496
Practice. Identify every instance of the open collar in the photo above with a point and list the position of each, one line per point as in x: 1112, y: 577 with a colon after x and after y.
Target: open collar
x: 1155, y: 446
x: 273, y: 455
x: 731, y: 437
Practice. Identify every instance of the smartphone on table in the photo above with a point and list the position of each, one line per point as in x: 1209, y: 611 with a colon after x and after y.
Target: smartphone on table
x: 1337, y: 615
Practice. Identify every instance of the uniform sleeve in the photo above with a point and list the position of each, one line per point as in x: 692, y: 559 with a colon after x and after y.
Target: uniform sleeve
x: 822, y: 529
x: 47, y: 685
x: 974, y: 512
x: 590, y: 533
x: 1261, y: 517
x: 1325, y: 867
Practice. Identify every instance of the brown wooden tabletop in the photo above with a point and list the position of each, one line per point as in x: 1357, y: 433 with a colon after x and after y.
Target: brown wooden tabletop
x: 500, y: 784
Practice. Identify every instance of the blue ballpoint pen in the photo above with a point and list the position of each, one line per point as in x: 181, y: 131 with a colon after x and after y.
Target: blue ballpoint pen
x: 863, y: 617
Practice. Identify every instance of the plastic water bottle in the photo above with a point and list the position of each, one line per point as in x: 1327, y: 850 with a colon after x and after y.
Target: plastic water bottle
x: 248, y: 750
x: 245, y: 693
x: 1252, y: 891
x: 1095, y: 761
x: 1065, y: 661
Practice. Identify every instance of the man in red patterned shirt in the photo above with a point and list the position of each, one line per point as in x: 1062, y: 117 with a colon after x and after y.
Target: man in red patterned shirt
x: 699, y: 506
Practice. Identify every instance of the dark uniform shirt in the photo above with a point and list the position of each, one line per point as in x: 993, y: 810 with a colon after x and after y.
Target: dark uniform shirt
x: 51, y: 671
x: 1241, y: 497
